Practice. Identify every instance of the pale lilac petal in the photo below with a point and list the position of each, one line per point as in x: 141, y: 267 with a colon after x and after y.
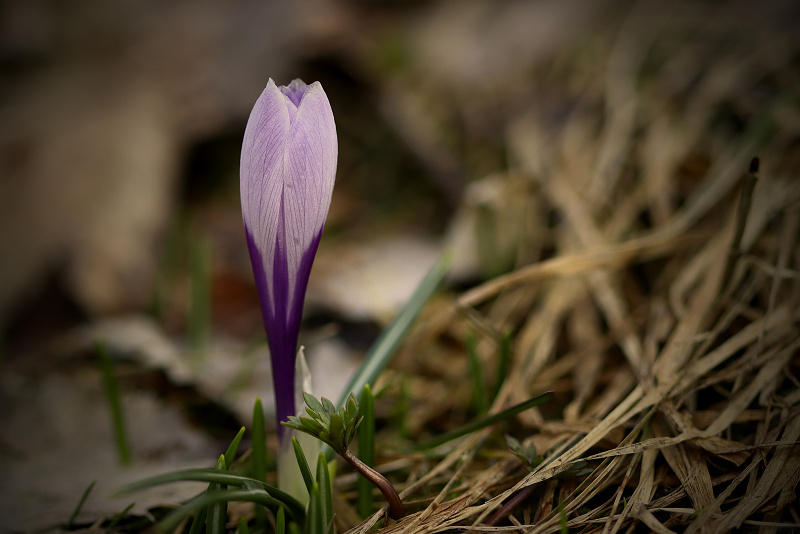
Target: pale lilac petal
x: 311, y: 168
x: 287, y: 172
x: 261, y: 171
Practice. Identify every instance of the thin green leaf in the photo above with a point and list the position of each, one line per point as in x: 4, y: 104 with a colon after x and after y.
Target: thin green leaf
x: 114, y: 402
x: 199, y: 522
x: 366, y: 450
x: 217, y: 512
x: 242, y: 528
x: 259, y: 455
x: 119, y: 516
x: 316, y: 522
x: 171, y: 522
x: 390, y: 339
x: 280, y: 521
x: 302, y: 462
x: 325, y: 489
x: 485, y: 421
x: 503, y: 363
x: 81, y: 502
x: 295, y: 508
x: 230, y: 454
x: 476, y: 374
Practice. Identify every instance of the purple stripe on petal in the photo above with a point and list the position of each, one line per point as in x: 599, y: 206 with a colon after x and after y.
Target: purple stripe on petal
x: 304, y: 272
x: 282, y: 339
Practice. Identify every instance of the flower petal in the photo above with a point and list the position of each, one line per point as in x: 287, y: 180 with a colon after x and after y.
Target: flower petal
x: 287, y: 172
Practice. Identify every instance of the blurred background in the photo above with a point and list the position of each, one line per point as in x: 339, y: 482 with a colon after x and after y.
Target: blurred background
x: 120, y: 131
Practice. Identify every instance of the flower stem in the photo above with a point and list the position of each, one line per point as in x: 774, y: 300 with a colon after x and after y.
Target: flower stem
x: 395, y: 504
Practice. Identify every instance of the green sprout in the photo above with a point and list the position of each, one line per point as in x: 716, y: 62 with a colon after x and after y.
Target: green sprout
x: 527, y: 455
x: 337, y: 428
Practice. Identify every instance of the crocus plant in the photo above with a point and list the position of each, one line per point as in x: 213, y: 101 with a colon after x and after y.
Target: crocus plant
x: 287, y: 171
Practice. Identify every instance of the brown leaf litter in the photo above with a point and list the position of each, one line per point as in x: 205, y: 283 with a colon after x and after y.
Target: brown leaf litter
x: 663, y: 310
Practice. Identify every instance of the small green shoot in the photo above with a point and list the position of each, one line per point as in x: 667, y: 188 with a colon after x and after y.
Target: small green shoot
x: 242, y: 528
x: 259, y: 455
x: 253, y: 490
x: 316, y: 521
x: 337, y: 428
x: 366, y: 450
x: 217, y: 512
x: 527, y: 455
x: 280, y: 521
x: 325, y: 490
x: 503, y: 362
x: 230, y: 453
x: 80, y: 505
x: 199, y: 522
x: 208, y: 499
x: 302, y: 463
x: 119, y: 517
x: 114, y: 402
x: 208, y: 515
x: 476, y: 374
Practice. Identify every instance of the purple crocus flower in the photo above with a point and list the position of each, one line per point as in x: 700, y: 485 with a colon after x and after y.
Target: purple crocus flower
x: 287, y: 171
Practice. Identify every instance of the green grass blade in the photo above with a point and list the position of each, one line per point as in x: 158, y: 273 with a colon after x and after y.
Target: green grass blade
x: 476, y: 374
x: 259, y: 443
x: 114, y: 402
x: 80, y: 504
x: 325, y: 489
x: 302, y: 463
x: 120, y: 516
x: 230, y: 454
x: 280, y: 521
x: 217, y: 512
x: 171, y: 522
x: 366, y: 450
x: 294, y: 507
x: 390, y: 339
x: 316, y: 522
x: 503, y: 363
x: 242, y: 528
x: 259, y: 456
x: 199, y: 523
x: 485, y: 421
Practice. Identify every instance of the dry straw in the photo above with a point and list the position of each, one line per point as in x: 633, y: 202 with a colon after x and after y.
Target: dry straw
x: 663, y: 311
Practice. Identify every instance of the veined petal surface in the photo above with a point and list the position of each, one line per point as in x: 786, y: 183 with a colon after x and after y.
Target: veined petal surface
x: 287, y: 172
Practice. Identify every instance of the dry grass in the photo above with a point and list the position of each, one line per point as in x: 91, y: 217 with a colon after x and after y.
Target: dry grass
x: 663, y: 308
